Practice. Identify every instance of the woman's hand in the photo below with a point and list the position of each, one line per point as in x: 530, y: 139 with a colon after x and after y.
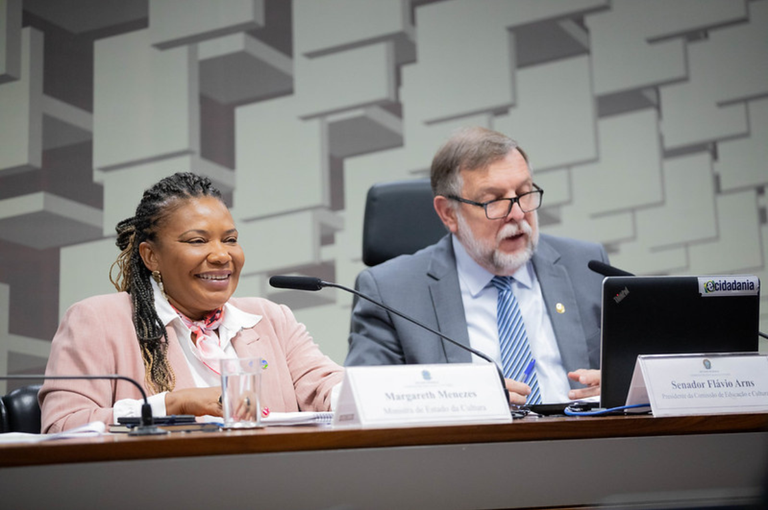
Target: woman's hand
x: 246, y: 409
x: 589, y: 378
x: 194, y: 401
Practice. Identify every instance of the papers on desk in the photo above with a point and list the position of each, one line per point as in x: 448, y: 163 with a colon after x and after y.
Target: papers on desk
x: 300, y: 418
x: 95, y: 428
x: 285, y: 419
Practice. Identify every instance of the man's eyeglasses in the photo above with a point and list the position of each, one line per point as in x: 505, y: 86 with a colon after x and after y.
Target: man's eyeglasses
x: 501, y: 207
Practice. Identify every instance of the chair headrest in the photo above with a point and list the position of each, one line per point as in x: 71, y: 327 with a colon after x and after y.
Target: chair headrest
x: 22, y: 410
x: 399, y: 219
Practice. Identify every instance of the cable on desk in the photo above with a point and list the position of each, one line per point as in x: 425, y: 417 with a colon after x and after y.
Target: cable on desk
x: 599, y: 412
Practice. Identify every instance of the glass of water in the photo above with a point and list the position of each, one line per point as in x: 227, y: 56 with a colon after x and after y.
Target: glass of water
x: 241, y: 392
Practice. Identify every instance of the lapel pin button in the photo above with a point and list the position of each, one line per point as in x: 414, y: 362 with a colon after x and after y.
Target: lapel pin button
x: 560, y: 308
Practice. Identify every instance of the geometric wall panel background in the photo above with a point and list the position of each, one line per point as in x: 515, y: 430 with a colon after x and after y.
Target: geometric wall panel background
x: 646, y: 122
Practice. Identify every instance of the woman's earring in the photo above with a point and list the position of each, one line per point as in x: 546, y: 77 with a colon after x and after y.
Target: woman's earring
x: 159, y: 279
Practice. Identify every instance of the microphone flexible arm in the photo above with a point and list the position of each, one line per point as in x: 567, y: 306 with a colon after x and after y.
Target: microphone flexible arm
x: 146, y: 425
x: 479, y: 354
x: 409, y: 319
x: 606, y: 269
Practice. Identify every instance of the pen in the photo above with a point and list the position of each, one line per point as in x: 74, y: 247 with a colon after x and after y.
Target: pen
x: 528, y: 371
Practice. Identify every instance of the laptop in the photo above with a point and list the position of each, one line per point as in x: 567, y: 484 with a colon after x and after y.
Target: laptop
x: 672, y: 315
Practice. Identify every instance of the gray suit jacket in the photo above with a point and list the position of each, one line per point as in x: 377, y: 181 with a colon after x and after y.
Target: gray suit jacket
x: 425, y: 286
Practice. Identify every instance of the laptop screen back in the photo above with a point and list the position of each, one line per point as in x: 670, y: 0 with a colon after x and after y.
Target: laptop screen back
x: 671, y: 315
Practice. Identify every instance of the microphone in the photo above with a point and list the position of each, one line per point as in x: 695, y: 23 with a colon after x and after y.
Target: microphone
x: 146, y: 425
x: 312, y: 283
x: 606, y: 269
x: 299, y: 283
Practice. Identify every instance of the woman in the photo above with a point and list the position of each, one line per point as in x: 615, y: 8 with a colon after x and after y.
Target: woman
x: 173, y: 319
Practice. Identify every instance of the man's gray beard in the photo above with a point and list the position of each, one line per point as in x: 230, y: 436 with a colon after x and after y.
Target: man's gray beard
x: 489, y: 256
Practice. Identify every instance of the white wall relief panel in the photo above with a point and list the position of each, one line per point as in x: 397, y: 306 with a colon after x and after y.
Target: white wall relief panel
x: 744, y: 162
x: 738, y: 248
x: 727, y: 68
x: 10, y: 40
x: 177, y: 23
x: 276, y: 151
x: 146, y: 101
x: 21, y: 118
x: 555, y: 121
x: 653, y: 48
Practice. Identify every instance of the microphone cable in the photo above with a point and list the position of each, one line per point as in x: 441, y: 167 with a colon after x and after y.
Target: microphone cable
x: 575, y: 410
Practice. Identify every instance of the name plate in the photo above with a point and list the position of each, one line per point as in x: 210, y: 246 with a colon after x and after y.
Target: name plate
x: 407, y: 395
x: 692, y: 384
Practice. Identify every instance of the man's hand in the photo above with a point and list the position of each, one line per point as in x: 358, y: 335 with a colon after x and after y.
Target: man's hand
x: 589, y: 378
x: 518, y: 392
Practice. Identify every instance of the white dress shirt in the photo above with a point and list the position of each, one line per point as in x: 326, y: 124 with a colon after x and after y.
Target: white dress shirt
x: 479, y: 297
x: 234, y: 321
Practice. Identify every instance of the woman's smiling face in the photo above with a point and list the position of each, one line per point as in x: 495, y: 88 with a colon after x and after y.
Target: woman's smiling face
x: 197, y: 254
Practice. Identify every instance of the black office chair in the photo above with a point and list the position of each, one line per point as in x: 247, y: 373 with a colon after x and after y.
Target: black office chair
x: 399, y: 219
x: 19, y: 410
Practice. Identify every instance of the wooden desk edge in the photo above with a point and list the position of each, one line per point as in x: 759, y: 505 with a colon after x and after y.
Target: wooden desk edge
x: 309, y: 438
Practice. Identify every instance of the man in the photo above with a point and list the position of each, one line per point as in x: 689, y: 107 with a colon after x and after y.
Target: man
x: 485, y: 195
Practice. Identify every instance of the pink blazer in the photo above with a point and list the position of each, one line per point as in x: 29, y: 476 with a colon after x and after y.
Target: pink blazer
x: 96, y: 336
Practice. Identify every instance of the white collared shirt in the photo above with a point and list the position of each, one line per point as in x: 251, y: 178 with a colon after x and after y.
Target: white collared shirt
x: 234, y: 321
x: 479, y: 297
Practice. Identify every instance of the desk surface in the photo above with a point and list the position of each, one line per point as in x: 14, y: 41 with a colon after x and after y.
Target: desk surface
x: 533, y: 462
x: 115, y: 447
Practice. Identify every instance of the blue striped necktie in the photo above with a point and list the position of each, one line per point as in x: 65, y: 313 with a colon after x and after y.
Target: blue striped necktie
x: 513, y: 340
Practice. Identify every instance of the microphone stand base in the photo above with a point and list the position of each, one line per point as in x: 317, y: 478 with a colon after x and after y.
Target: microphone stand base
x: 147, y: 430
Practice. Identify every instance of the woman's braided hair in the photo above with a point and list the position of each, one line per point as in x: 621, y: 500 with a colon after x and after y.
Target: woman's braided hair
x: 157, y: 204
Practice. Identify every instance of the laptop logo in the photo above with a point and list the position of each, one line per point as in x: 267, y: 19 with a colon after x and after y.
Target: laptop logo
x: 729, y: 286
x: 621, y: 295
